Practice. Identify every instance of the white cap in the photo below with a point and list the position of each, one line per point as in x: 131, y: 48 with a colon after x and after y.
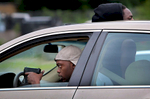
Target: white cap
x: 69, y: 53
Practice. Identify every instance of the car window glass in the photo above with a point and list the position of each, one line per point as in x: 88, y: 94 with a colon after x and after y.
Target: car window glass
x: 36, y: 58
x: 124, y: 60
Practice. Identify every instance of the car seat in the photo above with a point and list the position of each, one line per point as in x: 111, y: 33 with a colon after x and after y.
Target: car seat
x: 128, y: 52
x: 112, y: 55
x: 118, y: 55
x: 138, y: 73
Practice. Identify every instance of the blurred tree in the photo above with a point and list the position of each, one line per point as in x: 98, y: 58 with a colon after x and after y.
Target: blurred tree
x: 143, y: 10
x: 33, y: 5
x: 85, y: 4
x: 129, y: 3
x: 95, y: 3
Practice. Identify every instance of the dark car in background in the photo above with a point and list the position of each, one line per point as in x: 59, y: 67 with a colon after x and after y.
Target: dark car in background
x: 28, y: 23
x: 107, y: 68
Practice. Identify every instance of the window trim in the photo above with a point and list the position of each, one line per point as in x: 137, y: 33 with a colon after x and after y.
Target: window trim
x: 78, y: 72
x: 31, y: 43
x: 128, y: 31
x: 89, y: 70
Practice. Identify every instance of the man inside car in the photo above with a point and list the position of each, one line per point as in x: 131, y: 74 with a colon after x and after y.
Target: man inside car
x: 66, y: 61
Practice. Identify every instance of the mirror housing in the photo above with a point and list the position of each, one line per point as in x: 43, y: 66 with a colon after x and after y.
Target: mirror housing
x: 53, y: 48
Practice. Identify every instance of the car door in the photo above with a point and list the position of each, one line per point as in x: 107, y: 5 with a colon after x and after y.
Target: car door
x: 83, y: 39
x: 118, y: 67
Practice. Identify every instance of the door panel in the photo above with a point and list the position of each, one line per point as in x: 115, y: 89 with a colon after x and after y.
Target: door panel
x: 45, y: 93
x: 112, y: 93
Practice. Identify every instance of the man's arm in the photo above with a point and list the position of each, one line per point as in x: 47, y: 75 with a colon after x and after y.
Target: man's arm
x: 34, y: 78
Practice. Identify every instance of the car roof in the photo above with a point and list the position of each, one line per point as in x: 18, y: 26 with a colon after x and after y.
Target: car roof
x: 114, y: 25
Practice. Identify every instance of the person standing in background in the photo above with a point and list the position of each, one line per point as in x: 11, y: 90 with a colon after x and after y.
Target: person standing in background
x: 111, y: 12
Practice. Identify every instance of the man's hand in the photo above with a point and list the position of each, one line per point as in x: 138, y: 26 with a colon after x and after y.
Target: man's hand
x: 34, y: 78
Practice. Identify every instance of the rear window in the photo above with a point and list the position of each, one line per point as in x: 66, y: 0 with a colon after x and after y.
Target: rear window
x: 124, y: 60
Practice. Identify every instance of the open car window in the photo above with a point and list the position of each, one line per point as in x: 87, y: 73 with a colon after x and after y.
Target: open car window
x: 39, y: 56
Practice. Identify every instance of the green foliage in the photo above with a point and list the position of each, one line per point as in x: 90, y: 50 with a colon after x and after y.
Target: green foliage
x: 1, y: 41
x: 17, y: 28
x: 143, y: 11
x: 18, y: 65
x: 129, y: 3
x: 68, y: 16
x: 26, y: 5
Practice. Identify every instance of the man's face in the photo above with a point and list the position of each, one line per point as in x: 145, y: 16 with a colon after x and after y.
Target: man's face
x: 65, y: 69
x: 127, y: 14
